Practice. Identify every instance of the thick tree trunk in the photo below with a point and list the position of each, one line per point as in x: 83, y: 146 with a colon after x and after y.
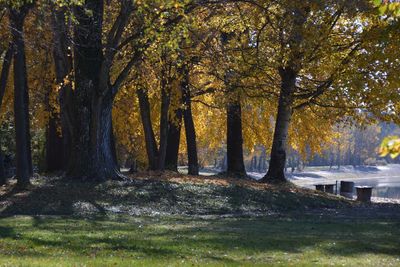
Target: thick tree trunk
x: 234, y: 144
x: 190, y: 131
x: 92, y: 151
x: 173, y: 140
x: 151, y: 144
x: 54, y: 146
x: 276, y: 170
x: 21, y: 99
x: 63, y: 69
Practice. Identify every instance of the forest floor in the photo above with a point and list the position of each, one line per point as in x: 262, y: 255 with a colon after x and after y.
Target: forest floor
x: 174, y: 219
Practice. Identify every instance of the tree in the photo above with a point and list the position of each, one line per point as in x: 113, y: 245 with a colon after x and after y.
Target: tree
x: 21, y: 96
x: 174, y: 135
x: 190, y: 132
x: 311, y: 50
x: 92, y: 152
x: 58, y: 144
x: 3, y: 83
x: 234, y: 139
x: 150, y: 140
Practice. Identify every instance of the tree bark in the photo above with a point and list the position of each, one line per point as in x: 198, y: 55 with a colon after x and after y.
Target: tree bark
x: 92, y: 151
x: 151, y: 144
x: 276, y: 170
x: 165, y: 103
x: 133, y: 166
x: 234, y: 138
x: 223, y: 163
x: 173, y: 140
x: 234, y: 144
x: 2, y: 170
x: 63, y: 68
x: 5, y: 70
x: 21, y: 98
x: 54, y: 146
x: 3, y: 85
x: 190, y: 131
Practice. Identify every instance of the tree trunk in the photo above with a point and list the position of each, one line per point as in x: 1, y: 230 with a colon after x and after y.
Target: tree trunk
x: 276, y: 170
x: 174, y: 136
x: 3, y: 85
x: 151, y: 144
x: 165, y: 103
x: 63, y: 68
x: 3, y: 179
x: 54, y: 146
x: 133, y: 166
x: 260, y: 164
x: 235, y: 139
x: 5, y: 70
x: 92, y: 151
x: 21, y: 98
x: 223, y: 163
x: 190, y: 131
x: 253, y: 163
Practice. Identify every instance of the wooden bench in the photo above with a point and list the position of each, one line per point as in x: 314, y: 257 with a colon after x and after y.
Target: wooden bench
x: 328, y: 188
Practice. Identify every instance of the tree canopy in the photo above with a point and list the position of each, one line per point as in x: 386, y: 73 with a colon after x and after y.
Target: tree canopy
x: 90, y: 86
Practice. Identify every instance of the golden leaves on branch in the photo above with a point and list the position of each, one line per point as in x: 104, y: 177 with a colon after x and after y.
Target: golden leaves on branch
x: 390, y: 146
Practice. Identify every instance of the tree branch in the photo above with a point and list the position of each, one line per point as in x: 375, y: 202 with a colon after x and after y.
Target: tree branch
x: 136, y: 58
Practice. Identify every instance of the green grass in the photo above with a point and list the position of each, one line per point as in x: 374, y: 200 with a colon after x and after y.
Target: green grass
x: 177, y: 241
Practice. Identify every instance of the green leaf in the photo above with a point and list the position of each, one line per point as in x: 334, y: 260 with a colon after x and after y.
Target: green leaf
x: 383, y: 9
x: 377, y: 2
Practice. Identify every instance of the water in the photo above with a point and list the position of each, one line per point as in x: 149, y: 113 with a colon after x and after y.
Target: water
x: 386, y: 192
x: 386, y: 187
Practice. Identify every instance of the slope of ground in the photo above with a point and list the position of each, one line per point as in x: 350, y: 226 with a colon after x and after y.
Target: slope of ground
x: 176, y: 194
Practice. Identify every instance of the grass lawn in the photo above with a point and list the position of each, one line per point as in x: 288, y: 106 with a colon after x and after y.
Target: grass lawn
x: 218, y: 241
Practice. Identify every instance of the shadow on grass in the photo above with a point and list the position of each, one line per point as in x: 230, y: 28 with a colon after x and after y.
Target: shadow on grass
x: 176, y: 238
x: 6, y: 232
x: 55, y: 197
x: 60, y: 197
